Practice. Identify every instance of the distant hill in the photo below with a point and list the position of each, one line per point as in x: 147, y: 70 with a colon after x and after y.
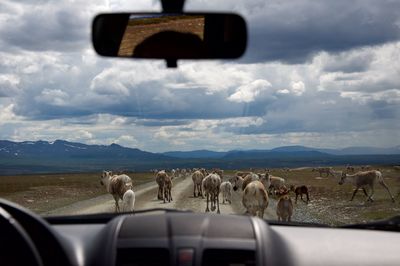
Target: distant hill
x: 296, y: 148
x: 267, y: 154
x: 62, y: 156
x: 344, y: 151
x: 195, y: 154
x: 61, y: 149
x: 367, y: 150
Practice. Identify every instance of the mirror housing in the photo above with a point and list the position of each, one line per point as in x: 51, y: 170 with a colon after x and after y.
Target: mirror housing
x: 170, y: 36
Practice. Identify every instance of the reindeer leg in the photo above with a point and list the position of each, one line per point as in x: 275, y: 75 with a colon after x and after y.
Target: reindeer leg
x: 218, y: 211
x: 354, y: 193
x: 366, y: 194
x: 387, y: 188
x: 372, y: 194
x: 194, y: 190
x: 116, y: 203
x: 160, y: 195
x: 207, y: 209
x: 163, y: 192
x: 296, y: 198
x: 308, y: 198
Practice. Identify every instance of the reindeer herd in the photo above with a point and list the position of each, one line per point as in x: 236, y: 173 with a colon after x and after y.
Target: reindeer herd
x: 255, y: 188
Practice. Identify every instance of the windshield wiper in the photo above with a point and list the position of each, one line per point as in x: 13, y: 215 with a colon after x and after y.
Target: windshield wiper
x: 391, y: 224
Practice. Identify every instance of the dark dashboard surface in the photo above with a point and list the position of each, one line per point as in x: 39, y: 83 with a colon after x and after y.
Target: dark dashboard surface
x: 182, y: 238
x: 203, y: 239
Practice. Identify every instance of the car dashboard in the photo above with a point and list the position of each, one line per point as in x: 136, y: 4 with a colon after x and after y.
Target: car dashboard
x: 163, y: 237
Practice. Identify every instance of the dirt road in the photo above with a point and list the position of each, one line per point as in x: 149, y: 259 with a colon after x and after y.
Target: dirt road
x: 182, y: 194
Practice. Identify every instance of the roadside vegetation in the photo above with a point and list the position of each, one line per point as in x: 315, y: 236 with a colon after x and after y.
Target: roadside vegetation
x: 330, y: 202
x: 44, y: 192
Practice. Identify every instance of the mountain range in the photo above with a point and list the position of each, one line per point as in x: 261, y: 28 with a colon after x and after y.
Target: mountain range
x: 65, y: 156
x: 301, y: 150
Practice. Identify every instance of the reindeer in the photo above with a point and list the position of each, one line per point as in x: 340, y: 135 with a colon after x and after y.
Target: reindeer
x: 363, y: 180
x: 116, y: 185
x: 210, y: 186
x: 284, y: 207
x: 300, y: 190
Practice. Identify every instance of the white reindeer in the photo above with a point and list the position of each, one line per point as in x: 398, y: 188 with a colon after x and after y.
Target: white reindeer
x: 128, y: 201
x: 363, y: 180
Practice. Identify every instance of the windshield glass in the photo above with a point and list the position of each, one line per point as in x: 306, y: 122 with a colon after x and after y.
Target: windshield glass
x: 311, y: 112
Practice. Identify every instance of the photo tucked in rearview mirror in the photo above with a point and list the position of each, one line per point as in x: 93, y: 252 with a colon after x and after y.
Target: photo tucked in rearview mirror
x: 170, y: 36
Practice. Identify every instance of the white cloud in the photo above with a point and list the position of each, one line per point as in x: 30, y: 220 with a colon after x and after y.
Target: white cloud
x: 127, y: 140
x: 247, y: 93
x: 298, y: 88
x: 9, y: 85
x: 53, y: 97
x: 85, y: 134
x: 283, y: 91
x: 6, y: 114
x: 215, y: 76
x: 389, y: 96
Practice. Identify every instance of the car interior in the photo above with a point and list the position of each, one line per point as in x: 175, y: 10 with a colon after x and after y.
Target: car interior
x: 177, y: 237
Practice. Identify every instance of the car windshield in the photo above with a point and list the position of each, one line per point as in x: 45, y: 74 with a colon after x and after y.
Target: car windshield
x: 303, y: 127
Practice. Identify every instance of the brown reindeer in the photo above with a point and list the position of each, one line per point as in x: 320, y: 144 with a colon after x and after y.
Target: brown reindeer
x: 211, y: 185
x: 255, y: 198
x: 323, y: 170
x: 164, y: 186
x: 284, y: 208
x: 219, y: 172
x: 265, y: 179
x: 197, y: 178
x: 365, y: 180
x: 300, y: 190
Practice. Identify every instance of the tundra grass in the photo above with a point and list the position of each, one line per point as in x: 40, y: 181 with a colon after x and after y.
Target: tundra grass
x: 45, y: 192
x: 330, y: 202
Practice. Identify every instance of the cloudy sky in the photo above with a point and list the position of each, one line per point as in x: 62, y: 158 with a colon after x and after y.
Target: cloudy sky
x: 316, y: 73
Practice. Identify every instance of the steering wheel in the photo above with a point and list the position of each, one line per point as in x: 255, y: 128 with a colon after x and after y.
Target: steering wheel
x: 16, y: 247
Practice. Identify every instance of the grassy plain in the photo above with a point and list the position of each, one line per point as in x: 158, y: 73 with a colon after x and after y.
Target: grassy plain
x: 44, y: 192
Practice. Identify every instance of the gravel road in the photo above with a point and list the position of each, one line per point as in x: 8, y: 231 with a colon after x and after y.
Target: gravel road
x: 182, y: 194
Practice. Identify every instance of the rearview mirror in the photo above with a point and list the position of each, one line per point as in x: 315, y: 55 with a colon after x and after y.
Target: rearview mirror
x: 169, y: 36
